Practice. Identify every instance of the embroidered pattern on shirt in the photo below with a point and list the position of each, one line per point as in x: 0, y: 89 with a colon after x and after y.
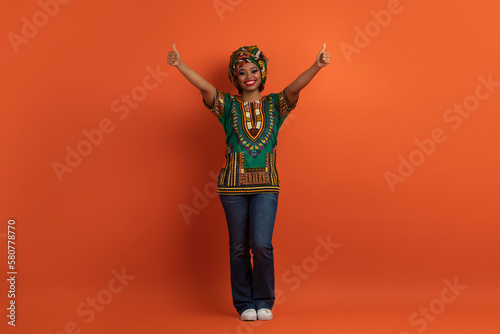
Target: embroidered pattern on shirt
x: 284, y: 108
x: 218, y: 107
x: 250, y: 141
x: 252, y: 176
x: 235, y: 175
x: 254, y: 121
x: 254, y: 136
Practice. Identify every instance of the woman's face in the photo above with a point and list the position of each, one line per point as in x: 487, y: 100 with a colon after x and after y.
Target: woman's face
x: 249, y: 77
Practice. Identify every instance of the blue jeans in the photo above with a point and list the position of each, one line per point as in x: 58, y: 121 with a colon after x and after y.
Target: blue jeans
x: 250, y: 221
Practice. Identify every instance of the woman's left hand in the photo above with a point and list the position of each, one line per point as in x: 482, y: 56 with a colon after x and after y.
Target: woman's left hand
x: 323, y: 57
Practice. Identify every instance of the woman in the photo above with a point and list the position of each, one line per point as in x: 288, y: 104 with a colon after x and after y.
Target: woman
x: 248, y: 185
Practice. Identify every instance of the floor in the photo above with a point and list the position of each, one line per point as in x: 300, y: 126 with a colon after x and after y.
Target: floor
x: 310, y: 310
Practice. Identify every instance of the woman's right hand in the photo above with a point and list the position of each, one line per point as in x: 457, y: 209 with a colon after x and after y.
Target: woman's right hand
x: 206, y: 89
x: 173, y: 57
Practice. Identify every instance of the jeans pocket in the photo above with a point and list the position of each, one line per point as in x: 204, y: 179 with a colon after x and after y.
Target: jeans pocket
x: 270, y: 196
x: 231, y: 199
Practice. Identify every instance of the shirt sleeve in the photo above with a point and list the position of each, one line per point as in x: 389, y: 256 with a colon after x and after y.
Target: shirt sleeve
x: 218, y: 105
x: 285, y: 109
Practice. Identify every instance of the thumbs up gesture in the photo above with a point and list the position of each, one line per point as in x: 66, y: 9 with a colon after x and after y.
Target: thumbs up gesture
x: 173, y: 57
x: 323, y: 57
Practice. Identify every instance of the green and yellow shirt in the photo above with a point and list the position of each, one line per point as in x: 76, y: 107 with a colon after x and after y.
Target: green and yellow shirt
x: 251, y: 137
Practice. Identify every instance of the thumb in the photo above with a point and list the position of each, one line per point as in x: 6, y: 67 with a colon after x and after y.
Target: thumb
x: 324, y: 47
x: 175, y: 49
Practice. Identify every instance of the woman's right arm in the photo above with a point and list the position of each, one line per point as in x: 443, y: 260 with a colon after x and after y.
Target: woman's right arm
x: 206, y: 88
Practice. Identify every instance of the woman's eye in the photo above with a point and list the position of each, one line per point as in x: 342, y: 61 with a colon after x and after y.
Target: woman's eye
x: 241, y: 73
x: 254, y: 71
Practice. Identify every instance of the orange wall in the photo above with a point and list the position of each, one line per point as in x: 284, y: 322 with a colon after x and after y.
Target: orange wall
x: 340, y: 153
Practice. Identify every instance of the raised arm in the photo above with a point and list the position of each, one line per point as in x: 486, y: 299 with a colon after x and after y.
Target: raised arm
x: 206, y: 88
x: 293, y: 90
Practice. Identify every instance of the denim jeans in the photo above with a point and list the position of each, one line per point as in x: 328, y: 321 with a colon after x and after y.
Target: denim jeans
x: 250, y: 221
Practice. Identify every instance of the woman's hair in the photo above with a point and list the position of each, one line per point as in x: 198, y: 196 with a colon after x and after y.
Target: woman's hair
x: 243, y: 55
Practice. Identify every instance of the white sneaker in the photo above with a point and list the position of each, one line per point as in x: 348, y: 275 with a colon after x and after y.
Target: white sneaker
x: 264, y: 314
x: 249, y: 315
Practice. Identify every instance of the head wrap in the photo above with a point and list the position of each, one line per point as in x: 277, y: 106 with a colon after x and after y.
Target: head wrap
x: 244, y: 55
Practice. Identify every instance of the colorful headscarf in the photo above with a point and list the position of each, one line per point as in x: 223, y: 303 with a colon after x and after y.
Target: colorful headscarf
x: 244, y: 55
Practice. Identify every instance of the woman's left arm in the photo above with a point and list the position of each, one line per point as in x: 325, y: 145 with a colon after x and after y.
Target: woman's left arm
x: 293, y: 90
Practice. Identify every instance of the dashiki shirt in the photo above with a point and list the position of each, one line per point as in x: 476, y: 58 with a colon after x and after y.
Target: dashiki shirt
x: 251, y: 137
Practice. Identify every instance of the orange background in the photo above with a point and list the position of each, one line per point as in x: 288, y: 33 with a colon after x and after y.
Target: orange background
x: 121, y: 206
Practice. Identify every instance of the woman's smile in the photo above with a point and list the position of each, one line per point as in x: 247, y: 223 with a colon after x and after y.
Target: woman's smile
x: 250, y: 82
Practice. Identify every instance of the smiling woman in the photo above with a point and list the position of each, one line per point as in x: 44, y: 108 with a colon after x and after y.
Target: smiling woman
x: 248, y: 185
